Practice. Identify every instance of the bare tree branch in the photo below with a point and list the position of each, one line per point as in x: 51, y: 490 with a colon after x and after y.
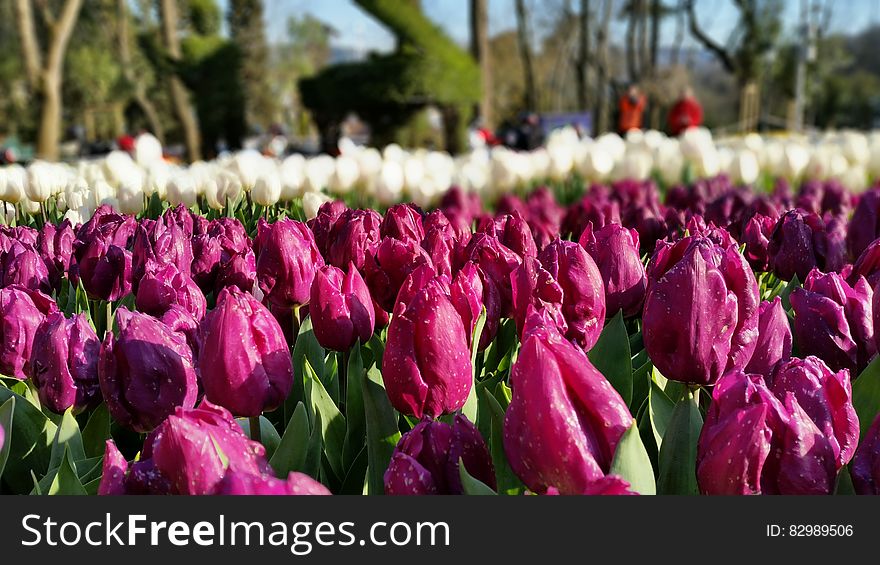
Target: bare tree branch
x: 720, y: 52
x: 27, y: 32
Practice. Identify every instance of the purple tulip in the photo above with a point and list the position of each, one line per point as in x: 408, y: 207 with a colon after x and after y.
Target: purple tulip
x: 182, y: 322
x: 466, y: 292
x: 701, y: 310
x: 798, y: 244
x: 756, y: 237
x: 21, y: 313
x: 55, y: 245
x: 161, y: 242
x: 239, y: 271
x: 513, y: 232
x: 615, y: 250
x: 393, y: 262
x: 287, y: 258
x: 427, y: 363
x: 403, y: 222
x: 565, y: 419
x: 244, y: 359
x: 867, y: 265
x: 354, y: 239
x: 754, y: 442
x: 102, y: 259
x: 594, y: 208
x: 774, y: 338
x: 341, y: 308
x: 188, y: 454
x: 535, y: 288
x: 64, y: 363
x: 145, y: 373
x: 163, y: 286
x: 236, y: 483
x: 22, y: 265
x: 834, y: 321
x: 426, y: 459
x: 497, y: 262
x: 865, y: 468
x: 323, y: 223
x: 864, y: 226
x: 221, y: 239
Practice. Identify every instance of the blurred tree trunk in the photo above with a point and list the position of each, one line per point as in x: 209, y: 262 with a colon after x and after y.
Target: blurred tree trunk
x: 46, y: 77
x: 603, y: 73
x: 525, y: 49
x: 179, y: 94
x: 128, y: 71
x: 583, y: 60
x: 247, y: 29
x: 632, y: 70
x: 480, y: 51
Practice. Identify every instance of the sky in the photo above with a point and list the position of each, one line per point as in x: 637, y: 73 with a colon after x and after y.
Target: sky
x: 358, y: 31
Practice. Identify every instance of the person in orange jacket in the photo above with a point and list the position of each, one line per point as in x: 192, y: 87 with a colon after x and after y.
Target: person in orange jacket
x: 631, y: 107
x: 686, y: 113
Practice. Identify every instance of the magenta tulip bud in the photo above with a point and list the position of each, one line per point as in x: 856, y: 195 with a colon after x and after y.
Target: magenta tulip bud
x: 113, y: 471
x: 427, y: 362
x: 513, y: 232
x: 867, y: 265
x: 161, y: 242
x: 864, y: 226
x: 865, y: 468
x: 701, y: 310
x: 236, y: 483
x: 287, y: 258
x: 145, y: 373
x: 354, y: 239
x: 615, y: 250
x: 565, y: 419
x: 393, y: 262
x: 403, y: 222
x: 341, y: 308
x: 466, y: 292
x: 102, y: 259
x: 22, y: 265
x: 21, y: 313
x: 774, y: 338
x: 756, y: 237
x: 497, y: 262
x: 221, y: 239
x: 163, y: 286
x: 239, y: 271
x: 834, y: 321
x: 244, y: 359
x: 64, y: 363
x: 535, y: 288
x: 797, y: 245
x: 323, y: 223
x: 426, y: 459
x: 55, y: 245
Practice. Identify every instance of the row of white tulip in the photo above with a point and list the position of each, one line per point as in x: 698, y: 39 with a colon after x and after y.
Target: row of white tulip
x: 126, y: 180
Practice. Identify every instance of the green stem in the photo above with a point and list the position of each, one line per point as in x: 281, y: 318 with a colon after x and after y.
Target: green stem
x: 108, y: 319
x: 256, y: 431
x: 295, y: 323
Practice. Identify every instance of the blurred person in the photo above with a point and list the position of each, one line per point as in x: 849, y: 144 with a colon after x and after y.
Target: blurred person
x: 480, y: 136
x: 630, y: 109
x: 530, y: 135
x: 686, y: 113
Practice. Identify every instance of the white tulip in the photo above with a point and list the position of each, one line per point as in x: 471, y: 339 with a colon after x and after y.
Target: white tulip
x: 181, y: 189
x: 743, y: 168
x: 312, y: 201
x: 8, y: 212
x: 318, y: 171
x: 147, y: 150
x: 292, y: 173
x: 389, y: 184
x: 16, y: 179
x: 267, y: 189
x: 247, y: 165
x: 345, y: 175
x: 131, y: 199
x: 855, y: 178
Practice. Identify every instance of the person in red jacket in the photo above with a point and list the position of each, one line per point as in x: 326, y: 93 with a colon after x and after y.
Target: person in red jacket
x: 685, y: 114
x: 630, y: 109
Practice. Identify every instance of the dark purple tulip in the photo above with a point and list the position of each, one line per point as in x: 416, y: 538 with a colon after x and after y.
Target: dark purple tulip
x: 701, y: 310
x: 867, y: 265
x: 403, y: 222
x: 834, y: 321
x: 834, y: 243
x: 427, y: 363
x: 22, y: 234
x: 244, y: 359
x: 163, y: 286
x: 756, y: 443
x: 221, y: 239
x: 145, y: 373
x: 609, y: 485
x: 181, y: 321
x: 756, y: 237
x: 240, y: 271
x: 426, y: 459
x: 188, y: 454
x: 323, y: 223
x: 865, y: 468
x: 113, y: 471
x: 497, y: 262
x: 21, y: 313
x: 161, y: 242
x: 22, y: 265
x: 544, y: 216
x: 535, y: 288
x: 810, y: 195
x: 797, y: 245
x: 287, y: 258
x: 237, y: 483
x: 864, y: 226
x: 615, y: 250
x: 102, y: 259
x: 466, y: 292
x: 55, y: 245
x: 595, y: 208
x: 354, y: 239
x: 513, y: 232
x: 341, y: 308
x: 440, y: 244
x: 64, y: 363
x: 385, y: 272
x: 565, y: 420
x: 826, y: 397
x: 774, y: 338
x: 462, y: 208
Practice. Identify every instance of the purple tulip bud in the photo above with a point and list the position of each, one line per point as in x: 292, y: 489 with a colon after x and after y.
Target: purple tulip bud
x: 497, y: 262
x: 456, y: 228
x: 513, y: 232
x: 403, y: 222
x: 466, y: 292
x: 865, y: 468
x: 64, y: 363
x: 701, y: 310
x: 181, y: 321
x: 544, y: 216
x: 322, y: 225
x: 236, y: 483
x: 756, y: 237
x: 826, y: 397
x: 244, y: 359
x: 535, y: 288
x: 238, y: 271
x: 55, y: 245
x: 754, y: 442
x: 834, y: 321
x: 161, y: 242
x: 867, y: 265
x: 341, y: 308
x: 21, y: 313
x: 393, y: 262
x: 615, y: 250
x: 774, y: 338
x: 114, y: 468
x: 719, y: 236
x: 22, y: 265
x: 221, y: 239
x: 102, y: 259
x: 287, y: 258
x: 797, y: 245
x: 864, y: 226
x: 146, y: 372
x: 354, y: 239
x: 163, y: 286
x: 564, y: 420
x: 609, y: 485
x: 595, y: 208
x: 426, y: 459
x: 427, y: 363
x: 461, y: 207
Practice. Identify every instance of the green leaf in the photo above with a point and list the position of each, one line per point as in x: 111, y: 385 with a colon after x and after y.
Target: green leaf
x: 356, y: 430
x: 866, y: 395
x: 508, y: 482
x: 844, y: 486
x: 678, y: 452
x: 97, y: 432
x: 631, y: 462
x: 471, y: 485
x: 30, y: 450
x: 268, y: 434
x: 785, y: 294
x: 66, y: 481
x: 67, y: 439
x: 357, y: 474
x: 333, y: 422
x: 307, y: 347
x: 292, y: 451
x: 471, y: 406
x: 7, y: 412
x: 89, y: 469
x: 484, y: 416
x: 612, y: 357
x: 660, y: 409
x: 382, y: 431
